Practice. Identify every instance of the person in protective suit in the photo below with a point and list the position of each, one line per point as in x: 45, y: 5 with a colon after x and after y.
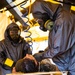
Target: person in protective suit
x: 61, y: 39
x: 12, y: 48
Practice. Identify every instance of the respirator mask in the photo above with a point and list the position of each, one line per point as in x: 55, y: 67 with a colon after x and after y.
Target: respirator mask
x: 45, y: 22
x: 48, y: 25
x: 14, y: 34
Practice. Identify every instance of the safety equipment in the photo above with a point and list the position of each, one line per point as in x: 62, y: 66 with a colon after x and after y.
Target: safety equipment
x: 19, y: 32
x: 15, y: 30
x: 49, y: 25
x: 14, y: 34
x: 41, y: 23
x: 41, y: 18
x: 46, y: 11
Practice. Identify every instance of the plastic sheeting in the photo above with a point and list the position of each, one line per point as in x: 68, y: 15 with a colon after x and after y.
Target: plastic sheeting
x: 4, y: 22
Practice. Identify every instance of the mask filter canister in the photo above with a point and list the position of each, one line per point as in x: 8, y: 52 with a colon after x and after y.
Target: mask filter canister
x: 49, y: 25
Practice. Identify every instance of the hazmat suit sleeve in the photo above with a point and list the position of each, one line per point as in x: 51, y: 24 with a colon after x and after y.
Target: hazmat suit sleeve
x: 3, y: 58
x: 2, y: 55
x: 27, y: 49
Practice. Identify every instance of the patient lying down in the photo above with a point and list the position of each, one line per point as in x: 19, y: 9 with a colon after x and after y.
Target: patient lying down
x: 29, y: 65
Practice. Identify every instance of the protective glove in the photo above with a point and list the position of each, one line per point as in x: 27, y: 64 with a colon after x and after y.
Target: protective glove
x: 38, y: 56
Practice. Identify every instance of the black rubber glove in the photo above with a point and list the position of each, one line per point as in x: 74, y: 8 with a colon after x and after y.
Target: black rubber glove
x: 38, y: 56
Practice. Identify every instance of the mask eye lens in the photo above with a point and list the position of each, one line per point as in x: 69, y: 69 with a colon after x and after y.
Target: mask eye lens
x: 39, y: 20
x: 13, y: 32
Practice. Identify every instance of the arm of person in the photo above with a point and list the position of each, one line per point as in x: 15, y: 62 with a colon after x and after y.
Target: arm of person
x: 27, y: 49
x: 5, y: 62
x: 58, y: 42
x: 29, y: 56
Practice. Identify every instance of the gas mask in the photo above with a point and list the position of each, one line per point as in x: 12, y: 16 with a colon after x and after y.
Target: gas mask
x: 14, y: 34
x: 48, y: 25
x: 44, y: 21
x: 46, y: 12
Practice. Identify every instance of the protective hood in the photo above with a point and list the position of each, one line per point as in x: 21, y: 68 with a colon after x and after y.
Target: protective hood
x: 10, y: 26
x: 40, y: 7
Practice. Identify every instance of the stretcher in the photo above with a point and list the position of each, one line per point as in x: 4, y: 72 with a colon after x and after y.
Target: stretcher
x: 42, y: 73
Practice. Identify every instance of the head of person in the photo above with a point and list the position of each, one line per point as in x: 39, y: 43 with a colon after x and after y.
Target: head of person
x: 13, y: 32
x: 44, y: 13
x: 46, y: 66
x: 27, y: 65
